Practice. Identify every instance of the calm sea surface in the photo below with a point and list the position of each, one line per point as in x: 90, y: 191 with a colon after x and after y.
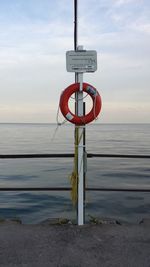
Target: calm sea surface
x: 102, y: 138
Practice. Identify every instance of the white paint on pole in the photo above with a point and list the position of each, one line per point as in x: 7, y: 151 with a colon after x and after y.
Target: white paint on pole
x: 79, y: 112
x: 80, y: 152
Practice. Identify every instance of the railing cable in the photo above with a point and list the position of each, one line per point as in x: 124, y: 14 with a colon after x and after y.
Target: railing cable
x: 113, y: 189
x: 71, y: 155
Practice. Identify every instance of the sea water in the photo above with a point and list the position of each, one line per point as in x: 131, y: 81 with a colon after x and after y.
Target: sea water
x: 33, y: 207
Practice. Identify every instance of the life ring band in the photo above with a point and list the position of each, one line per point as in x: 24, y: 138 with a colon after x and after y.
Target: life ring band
x: 89, y: 117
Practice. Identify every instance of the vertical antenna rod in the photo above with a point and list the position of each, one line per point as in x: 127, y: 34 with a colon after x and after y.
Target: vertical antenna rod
x: 76, y: 35
x: 75, y: 24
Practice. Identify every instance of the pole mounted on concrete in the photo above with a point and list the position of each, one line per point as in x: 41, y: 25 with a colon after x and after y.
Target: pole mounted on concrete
x: 80, y: 61
x: 79, y: 110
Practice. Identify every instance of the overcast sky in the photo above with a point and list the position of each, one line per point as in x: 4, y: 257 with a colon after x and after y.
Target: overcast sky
x: 34, y: 37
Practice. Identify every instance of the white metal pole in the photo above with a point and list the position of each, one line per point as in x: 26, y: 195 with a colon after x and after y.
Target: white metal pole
x: 79, y: 112
x: 80, y: 152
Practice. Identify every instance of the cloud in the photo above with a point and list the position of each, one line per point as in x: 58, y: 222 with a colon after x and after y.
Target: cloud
x: 143, y: 27
x: 125, y: 112
x: 35, y: 36
x: 28, y: 112
x: 126, y: 2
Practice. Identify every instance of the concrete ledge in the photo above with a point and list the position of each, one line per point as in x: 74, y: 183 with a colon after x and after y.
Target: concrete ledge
x: 106, y: 245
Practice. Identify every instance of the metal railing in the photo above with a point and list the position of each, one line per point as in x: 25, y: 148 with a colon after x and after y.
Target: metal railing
x: 71, y: 155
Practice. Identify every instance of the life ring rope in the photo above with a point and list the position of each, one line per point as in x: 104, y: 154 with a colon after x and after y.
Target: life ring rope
x: 73, y: 118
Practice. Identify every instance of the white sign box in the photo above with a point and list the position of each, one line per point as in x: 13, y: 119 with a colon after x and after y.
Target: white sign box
x: 81, y: 61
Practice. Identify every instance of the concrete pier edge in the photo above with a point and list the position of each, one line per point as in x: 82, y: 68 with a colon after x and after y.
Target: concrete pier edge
x: 67, y: 245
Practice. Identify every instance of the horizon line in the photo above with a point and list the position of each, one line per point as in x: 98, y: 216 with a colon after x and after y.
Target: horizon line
x: 97, y: 123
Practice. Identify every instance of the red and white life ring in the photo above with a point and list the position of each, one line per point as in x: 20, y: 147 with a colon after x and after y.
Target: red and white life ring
x: 80, y: 120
